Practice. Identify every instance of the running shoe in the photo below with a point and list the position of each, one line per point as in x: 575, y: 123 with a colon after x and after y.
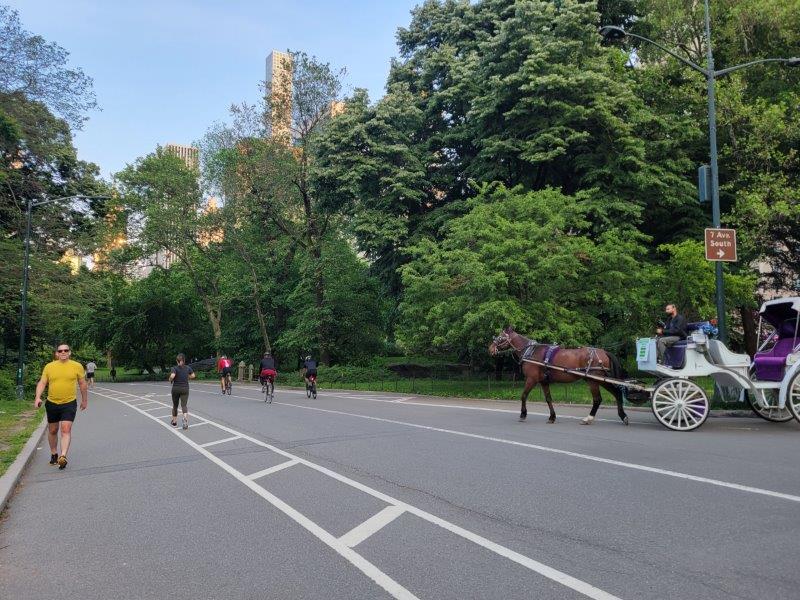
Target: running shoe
x: 54, y: 459
x: 185, y: 423
x: 62, y: 462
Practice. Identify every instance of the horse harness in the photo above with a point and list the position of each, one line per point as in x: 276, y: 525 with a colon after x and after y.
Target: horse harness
x: 551, y: 350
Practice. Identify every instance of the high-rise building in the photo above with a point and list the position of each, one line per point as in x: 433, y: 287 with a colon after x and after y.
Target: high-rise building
x: 279, y: 94
x: 337, y: 107
x: 188, y: 154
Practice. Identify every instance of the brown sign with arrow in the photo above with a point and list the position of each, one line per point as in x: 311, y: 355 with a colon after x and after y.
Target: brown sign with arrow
x: 721, y: 244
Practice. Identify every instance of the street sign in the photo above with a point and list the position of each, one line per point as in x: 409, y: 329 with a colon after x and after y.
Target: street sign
x: 721, y: 244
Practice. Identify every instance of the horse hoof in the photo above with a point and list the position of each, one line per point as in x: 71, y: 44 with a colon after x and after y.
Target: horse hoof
x: 587, y: 420
x: 625, y: 420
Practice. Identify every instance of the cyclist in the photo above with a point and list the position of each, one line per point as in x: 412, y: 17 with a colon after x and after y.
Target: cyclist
x: 309, y: 369
x: 224, y: 368
x: 268, y: 369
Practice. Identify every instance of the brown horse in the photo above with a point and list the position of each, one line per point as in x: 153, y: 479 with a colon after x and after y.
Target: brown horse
x: 595, y: 361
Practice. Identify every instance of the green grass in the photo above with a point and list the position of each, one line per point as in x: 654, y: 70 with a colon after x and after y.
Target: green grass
x: 18, y: 419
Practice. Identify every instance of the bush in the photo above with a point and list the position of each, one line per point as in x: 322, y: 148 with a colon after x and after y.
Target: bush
x: 8, y: 386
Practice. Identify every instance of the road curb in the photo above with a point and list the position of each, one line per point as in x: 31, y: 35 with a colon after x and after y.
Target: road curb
x: 9, y: 479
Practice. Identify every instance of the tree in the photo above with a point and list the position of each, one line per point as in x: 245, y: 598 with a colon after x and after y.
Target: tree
x: 268, y: 154
x: 36, y: 69
x: 488, y: 272
x: 167, y: 214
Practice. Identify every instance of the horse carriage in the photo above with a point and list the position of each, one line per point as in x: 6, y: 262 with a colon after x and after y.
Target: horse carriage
x: 770, y: 382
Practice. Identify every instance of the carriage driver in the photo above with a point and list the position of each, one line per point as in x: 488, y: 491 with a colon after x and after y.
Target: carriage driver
x: 673, y: 330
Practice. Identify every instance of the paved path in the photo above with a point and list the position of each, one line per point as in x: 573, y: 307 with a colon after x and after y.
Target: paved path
x: 369, y: 495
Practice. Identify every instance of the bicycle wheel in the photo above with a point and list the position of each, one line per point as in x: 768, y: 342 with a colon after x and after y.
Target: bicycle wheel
x: 314, y: 390
x: 308, y: 391
x: 271, y: 392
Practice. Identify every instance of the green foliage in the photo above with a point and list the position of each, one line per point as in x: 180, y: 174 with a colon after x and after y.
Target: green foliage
x: 488, y: 272
x: 687, y: 279
x: 37, y: 70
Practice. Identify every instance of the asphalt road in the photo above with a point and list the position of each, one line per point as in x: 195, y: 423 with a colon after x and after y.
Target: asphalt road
x: 368, y: 495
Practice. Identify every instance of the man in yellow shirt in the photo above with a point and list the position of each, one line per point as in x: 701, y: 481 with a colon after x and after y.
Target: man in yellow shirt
x: 61, y: 377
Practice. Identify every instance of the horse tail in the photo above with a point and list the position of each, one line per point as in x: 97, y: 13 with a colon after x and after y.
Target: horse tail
x: 617, y: 371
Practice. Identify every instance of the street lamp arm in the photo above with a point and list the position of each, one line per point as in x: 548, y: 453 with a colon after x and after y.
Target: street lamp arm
x: 685, y: 61
x: 72, y: 197
x: 789, y: 61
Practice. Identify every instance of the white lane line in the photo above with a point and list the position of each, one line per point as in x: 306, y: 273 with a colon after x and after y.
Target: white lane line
x: 373, y: 525
x: 382, y: 579
x: 600, y: 459
x: 214, y: 443
x: 201, y: 423
x: 270, y: 470
x: 152, y: 409
x: 554, y: 574
x: 406, y: 401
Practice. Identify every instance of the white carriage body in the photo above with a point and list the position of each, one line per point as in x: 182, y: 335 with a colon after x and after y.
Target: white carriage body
x: 707, y: 357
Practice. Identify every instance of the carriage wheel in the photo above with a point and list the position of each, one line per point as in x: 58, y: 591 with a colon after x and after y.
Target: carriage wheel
x: 771, y: 412
x: 680, y: 404
x: 793, y: 396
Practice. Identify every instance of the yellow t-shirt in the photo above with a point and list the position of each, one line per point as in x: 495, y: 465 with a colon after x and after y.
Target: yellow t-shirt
x: 62, y: 378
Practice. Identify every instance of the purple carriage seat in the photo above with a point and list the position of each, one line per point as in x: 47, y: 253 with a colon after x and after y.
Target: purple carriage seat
x: 770, y: 364
x: 675, y: 355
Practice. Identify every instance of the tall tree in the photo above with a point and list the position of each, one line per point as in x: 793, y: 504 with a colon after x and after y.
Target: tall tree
x: 38, y: 70
x: 167, y: 214
x: 268, y: 153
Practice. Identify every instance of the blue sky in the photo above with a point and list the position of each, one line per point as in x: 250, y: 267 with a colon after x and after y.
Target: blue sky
x: 165, y: 70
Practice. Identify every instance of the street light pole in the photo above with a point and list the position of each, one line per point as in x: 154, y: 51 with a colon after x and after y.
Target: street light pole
x: 612, y: 32
x: 23, y: 311
x: 715, y: 210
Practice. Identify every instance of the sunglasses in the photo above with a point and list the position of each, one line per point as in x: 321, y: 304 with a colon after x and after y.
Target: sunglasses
x: 63, y: 350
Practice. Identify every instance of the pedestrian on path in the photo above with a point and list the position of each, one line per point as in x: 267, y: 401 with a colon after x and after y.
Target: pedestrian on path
x: 61, y: 377
x: 179, y: 377
x: 91, y: 367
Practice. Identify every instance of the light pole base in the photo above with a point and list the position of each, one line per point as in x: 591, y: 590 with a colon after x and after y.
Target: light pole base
x: 20, y: 392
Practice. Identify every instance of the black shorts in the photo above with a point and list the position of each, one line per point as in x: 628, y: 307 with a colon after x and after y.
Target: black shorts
x: 225, y: 371
x: 311, y: 372
x: 61, y: 412
x: 89, y: 375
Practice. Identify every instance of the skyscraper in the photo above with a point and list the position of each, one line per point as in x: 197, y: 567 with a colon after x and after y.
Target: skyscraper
x: 188, y: 154
x: 279, y: 94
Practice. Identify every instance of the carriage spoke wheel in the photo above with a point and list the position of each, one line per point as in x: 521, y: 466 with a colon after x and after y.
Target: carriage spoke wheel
x: 680, y: 404
x: 793, y: 396
x: 768, y: 408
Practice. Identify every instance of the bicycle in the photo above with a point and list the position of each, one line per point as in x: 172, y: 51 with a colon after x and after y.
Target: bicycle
x: 311, y: 390
x: 228, y: 384
x: 268, y: 388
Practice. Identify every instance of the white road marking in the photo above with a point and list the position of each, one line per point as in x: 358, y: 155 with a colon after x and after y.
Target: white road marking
x: 406, y: 401
x: 199, y: 424
x: 270, y: 470
x: 365, y: 566
x: 375, y: 523
x: 152, y: 409
x: 600, y: 459
x: 222, y: 441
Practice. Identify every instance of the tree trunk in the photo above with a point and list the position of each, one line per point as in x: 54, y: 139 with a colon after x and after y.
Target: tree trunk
x: 750, y: 330
x: 319, y: 302
x: 215, y: 318
x: 262, y: 322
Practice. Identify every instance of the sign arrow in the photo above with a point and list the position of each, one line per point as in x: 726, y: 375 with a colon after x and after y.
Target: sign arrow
x: 720, y: 253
